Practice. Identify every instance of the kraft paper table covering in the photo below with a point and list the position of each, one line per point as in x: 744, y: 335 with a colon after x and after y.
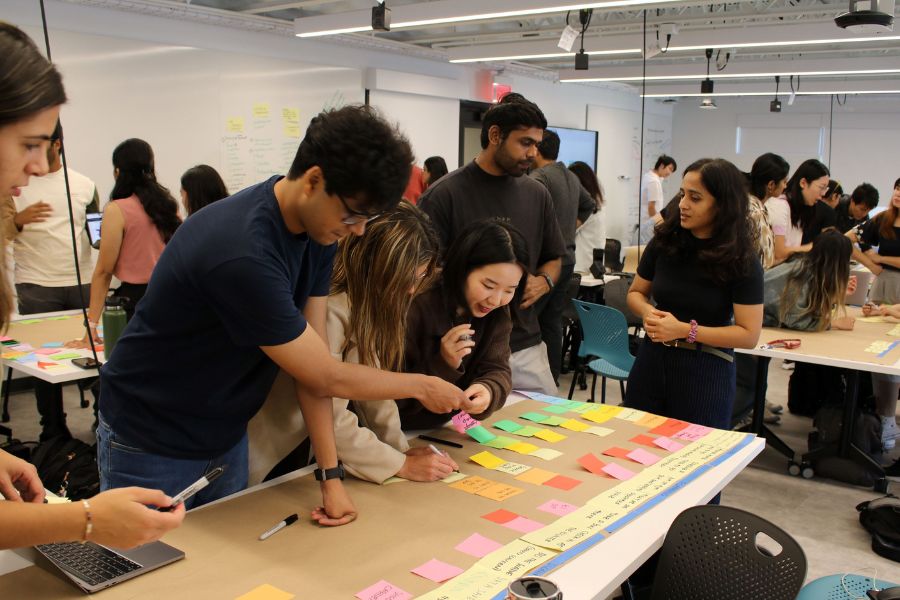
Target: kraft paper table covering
x: 48, y: 330
x: 400, y: 527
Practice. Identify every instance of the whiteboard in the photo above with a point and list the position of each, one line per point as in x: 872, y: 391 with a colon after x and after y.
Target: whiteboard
x: 192, y: 105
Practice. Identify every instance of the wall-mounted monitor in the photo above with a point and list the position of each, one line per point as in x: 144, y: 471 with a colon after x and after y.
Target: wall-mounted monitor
x: 577, y: 144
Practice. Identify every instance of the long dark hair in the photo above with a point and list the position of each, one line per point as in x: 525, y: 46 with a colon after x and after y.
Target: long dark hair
x: 768, y: 167
x: 809, y: 171
x: 478, y: 244
x: 730, y: 250
x: 436, y: 167
x: 203, y: 185
x: 588, y: 180
x: 136, y: 176
x: 824, y: 271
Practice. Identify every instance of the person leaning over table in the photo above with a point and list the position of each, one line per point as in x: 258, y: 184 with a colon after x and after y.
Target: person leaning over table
x: 702, y: 270
x: 231, y: 301
x: 31, y: 93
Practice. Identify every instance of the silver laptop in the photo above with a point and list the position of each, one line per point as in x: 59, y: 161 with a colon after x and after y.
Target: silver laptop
x: 93, y: 567
x: 864, y: 278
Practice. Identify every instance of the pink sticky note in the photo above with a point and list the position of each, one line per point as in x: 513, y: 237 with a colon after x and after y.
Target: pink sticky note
x: 5, y: 338
x: 618, y: 471
x: 523, y: 524
x: 478, y: 546
x: 557, y: 507
x: 642, y: 456
x: 383, y: 591
x: 46, y: 351
x: 667, y: 444
x: 463, y: 421
x: 437, y: 571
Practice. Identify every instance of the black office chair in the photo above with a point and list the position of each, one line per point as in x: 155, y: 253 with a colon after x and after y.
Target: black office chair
x: 716, y: 552
x: 612, y: 255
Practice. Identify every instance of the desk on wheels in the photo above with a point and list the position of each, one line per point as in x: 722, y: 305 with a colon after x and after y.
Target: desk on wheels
x: 403, y: 525
x: 833, y: 348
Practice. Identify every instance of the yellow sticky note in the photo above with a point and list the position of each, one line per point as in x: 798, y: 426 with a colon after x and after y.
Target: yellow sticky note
x: 513, y: 468
x: 536, y: 476
x: 261, y: 110
x: 472, y: 484
x: 523, y: 448
x: 546, y: 453
x: 573, y: 425
x: 454, y: 477
x: 391, y: 480
x: 487, y: 460
x: 597, y: 416
x: 499, y: 492
x: 234, y: 124
x: 599, y: 431
x: 266, y: 592
x: 549, y: 436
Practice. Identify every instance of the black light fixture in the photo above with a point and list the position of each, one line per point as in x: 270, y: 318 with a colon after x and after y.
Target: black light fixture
x: 706, y: 86
x: 775, y: 105
x: 381, y: 17
x: 581, y: 59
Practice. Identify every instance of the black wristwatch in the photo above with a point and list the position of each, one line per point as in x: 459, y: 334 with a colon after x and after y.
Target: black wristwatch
x: 326, y: 474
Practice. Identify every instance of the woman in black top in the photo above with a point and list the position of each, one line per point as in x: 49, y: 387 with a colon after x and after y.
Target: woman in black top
x: 702, y: 271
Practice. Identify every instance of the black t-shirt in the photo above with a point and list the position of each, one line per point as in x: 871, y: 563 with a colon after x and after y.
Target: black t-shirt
x: 823, y: 217
x: 845, y: 222
x: 470, y: 194
x: 188, y: 374
x: 886, y: 246
x: 682, y: 286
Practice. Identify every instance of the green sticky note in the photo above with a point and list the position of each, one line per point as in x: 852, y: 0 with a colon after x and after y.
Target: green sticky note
x: 533, y: 416
x: 556, y: 409
x: 501, y: 442
x: 480, y: 434
x: 528, y: 431
x: 65, y: 355
x: 554, y: 421
x: 28, y: 321
x: 583, y: 408
x: 507, y: 425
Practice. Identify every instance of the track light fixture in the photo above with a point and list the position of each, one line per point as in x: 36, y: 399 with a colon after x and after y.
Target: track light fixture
x: 381, y: 17
x: 775, y: 105
x: 581, y: 59
x: 707, y: 86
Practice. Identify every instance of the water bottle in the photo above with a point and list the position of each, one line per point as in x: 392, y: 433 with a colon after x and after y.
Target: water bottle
x: 538, y: 588
x: 114, y: 321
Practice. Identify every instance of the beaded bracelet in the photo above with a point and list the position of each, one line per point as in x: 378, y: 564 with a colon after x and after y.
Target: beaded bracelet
x: 89, y: 521
x: 692, y: 335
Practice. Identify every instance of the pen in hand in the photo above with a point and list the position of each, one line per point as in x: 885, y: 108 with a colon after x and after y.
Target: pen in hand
x: 279, y: 526
x: 439, y: 453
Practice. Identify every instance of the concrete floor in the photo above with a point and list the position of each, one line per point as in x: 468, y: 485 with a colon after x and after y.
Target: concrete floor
x: 819, y: 513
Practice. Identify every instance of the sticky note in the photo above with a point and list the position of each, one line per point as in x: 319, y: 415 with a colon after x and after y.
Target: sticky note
x: 528, y: 431
x: 549, y: 436
x: 437, y: 571
x: 462, y: 421
x: 383, y: 591
x: 642, y: 456
x: 562, y: 482
x: 597, y: 417
x: 534, y: 416
x: 523, y: 448
x: 546, y: 453
x: 65, y: 355
x: 557, y: 507
x: 478, y: 546
x: 46, y: 351
x: 618, y: 471
x: 472, y: 484
x: 536, y: 476
x: 501, y: 442
x: 22, y: 347
x: 499, y: 492
x: 5, y: 338
x: 554, y: 421
x: 556, y: 409
x: 480, y: 434
x: 523, y: 524
x: 454, y: 477
x: 667, y: 444
x: 599, y: 431
x: 266, y: 592
x: 513, y: 468
x: 391, y: 480
x: 487, y: 460
x: 630, y: 414
x: 52, y: 345
x: 670, y: 427
x: 651, y: 421
x: 592, y: 463
x: 500, y: 516
x: 574, y: 425
x: 12, y: 355
x: 646, y: 440
x: 48, y: 365
x: 508, y: 426
x: 616, y: 452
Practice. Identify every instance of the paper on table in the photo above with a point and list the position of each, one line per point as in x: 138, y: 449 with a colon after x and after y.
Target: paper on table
x: 508, y: 426
x: 437, y: 570
x: 528, y: 431
x: 500, y: 516
x: 52, y: 345
x: 487, y: 460
x: 534, y: 416
x: 557, y: 507
x: 616, y: 452
x: 546, y: 453
x: 501, y: 442
x: 554, y: 421
x: 46, y: 351
x: 480, y: 434
x: 266, y: 592
x: 472, y: 484
x: 391, y: 480
x: 523, y: 448
x: 65, y: 355
x: 556, y: 409
x: 667, y: 444
x: 513, y: 468
x: 592, y: 463
x: 651, y: 421
x: 599, y: 431
x: 562, y: 482
x: 523, y: 524
x: 478, y: 546
x: 597, y: 416
x: 631, y: 414
x: 383, y: 591
x: 670, y: 427
x: 454, y: 477
x: 499, y: 492
x: 642, y: 456
x: 646, y: 440
x: 549, y: 435
x: 536, y: 476
x: 618, y: 471
x: 574, y: 425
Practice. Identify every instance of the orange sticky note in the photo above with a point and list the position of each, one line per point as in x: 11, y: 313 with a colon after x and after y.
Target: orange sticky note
x: 562, y: 482
x: 616, y: 452
x: 536, y: 476
x: 592, y: 463
x: 266, y: 592
x: 499, y: 492
x: 646, y: 440
x: 500, y: 516
x: 473, y: 484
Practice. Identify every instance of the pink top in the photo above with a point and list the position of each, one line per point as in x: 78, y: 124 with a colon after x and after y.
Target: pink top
x: 141, y: 243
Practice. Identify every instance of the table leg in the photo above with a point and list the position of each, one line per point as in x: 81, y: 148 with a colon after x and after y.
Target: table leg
x: 757, y: 427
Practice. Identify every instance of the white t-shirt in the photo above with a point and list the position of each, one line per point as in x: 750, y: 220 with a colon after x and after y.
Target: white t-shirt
x: 591, y: 234
x: 43, y: 251
x: 779, y: 212
x: 651, y: 191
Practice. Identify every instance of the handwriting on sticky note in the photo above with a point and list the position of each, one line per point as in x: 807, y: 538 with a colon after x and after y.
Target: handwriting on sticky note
x: 454, y: 477
x: 437, y: 570
x: 644, y: 457
x: 487, y: 460
x: 472, y: 484
x: 618, y: 471
x: 499, y: 492
x: 478, y: 546
x: 513, y: 468
x: 266, y: 592
x: 463, y: 421
x: 557, y: 507
x: 383, y: 591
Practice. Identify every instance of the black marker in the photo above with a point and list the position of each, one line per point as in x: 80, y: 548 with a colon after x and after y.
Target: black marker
x: 279, y: 526
x: 428, y: 438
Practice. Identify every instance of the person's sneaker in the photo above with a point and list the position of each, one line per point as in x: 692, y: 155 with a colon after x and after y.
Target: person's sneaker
x: 889, y: 432
x: 787, y: 365
x: 773, y: 408
x: 771, y: 419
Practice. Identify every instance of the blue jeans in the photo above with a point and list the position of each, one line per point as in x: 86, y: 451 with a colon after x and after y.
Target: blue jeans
x: 122, y: 464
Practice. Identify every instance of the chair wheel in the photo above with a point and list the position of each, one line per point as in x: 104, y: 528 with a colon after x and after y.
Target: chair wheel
x: 793, y: 469
x: 807, y: 472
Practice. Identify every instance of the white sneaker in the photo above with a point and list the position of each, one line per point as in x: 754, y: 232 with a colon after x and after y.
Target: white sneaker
x: 787, y: 365
x: 889, y: 432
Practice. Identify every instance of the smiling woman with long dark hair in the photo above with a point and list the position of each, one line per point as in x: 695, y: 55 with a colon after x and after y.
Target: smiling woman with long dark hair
x: 702, y: 270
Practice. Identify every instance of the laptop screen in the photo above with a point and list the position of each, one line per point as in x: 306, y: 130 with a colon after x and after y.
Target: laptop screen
x: 93, y: 226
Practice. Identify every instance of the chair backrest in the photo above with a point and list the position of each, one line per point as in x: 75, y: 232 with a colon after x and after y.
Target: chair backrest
x: 612, y: 255
x: 605, y: 333
x: 723, y: 553
x: 568, y: 313
x: 614, y: 295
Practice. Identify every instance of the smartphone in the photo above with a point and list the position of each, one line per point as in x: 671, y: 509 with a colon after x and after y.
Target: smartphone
x: 193, y: 489
x: 86, y: 362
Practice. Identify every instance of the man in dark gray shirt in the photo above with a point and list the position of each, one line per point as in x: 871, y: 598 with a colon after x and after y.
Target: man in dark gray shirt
x: 492, y: 187
x: 573, y: 205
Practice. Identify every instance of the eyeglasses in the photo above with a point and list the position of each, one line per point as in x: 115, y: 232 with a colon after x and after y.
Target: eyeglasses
x: 354, y: 216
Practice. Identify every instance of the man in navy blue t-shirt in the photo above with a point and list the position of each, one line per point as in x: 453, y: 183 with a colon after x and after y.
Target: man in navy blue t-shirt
x: 228, y: 305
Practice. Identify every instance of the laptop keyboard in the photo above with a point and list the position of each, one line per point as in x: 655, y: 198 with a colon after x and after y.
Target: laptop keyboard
x: 90, y: 562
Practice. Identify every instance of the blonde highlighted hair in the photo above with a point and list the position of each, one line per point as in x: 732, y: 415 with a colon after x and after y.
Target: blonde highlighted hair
x: 378, y: 272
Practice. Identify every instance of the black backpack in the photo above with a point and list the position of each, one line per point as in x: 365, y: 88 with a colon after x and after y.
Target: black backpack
x: 866, y: 435
x: 881, y: 518
x: 67, y: 467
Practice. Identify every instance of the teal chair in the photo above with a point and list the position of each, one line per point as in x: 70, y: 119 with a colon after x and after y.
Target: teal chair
x: 840, y: 587
x: 605, y: 332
